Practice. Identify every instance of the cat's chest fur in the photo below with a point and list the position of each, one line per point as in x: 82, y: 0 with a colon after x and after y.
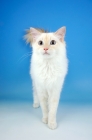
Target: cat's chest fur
x: 47, y: 71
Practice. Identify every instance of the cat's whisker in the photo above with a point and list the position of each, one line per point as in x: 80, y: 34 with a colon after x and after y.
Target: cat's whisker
x: 25, y: 56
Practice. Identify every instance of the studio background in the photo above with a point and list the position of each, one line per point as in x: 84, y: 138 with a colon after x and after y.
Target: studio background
x: 16, y: 16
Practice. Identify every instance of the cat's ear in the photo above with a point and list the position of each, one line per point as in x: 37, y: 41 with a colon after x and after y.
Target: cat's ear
x: 60, y: 33
x: 32, y: 35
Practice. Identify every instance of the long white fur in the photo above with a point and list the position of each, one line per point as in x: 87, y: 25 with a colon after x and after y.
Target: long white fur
x: 48, y: 72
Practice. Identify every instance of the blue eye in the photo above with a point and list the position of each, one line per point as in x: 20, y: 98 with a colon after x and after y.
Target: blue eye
x: 40, y: 42
x: 53, y: 42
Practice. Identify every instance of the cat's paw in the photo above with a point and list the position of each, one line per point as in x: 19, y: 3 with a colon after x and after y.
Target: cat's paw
x: 52, y: 125
x: 45, y: 120
x: 36, y: 105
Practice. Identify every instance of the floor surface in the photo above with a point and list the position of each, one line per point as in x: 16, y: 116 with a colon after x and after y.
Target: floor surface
x: 20, y: 121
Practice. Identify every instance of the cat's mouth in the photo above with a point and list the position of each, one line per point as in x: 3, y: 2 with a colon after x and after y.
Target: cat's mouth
x: 46, y: 53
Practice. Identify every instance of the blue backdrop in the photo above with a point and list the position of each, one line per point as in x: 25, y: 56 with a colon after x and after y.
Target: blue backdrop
x: 18, y: 15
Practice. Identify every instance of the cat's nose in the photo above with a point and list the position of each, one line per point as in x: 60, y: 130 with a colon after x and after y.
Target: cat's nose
x: 45, y: 49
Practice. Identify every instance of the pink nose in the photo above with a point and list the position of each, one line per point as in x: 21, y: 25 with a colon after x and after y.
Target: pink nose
x: 45, y: 49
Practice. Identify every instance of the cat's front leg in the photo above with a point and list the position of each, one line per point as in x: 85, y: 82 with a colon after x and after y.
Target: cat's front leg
x: 44, y: 107
x: 53, y: 105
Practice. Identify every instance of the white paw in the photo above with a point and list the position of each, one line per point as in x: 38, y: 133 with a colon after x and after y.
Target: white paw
x: 52, y: 125
x: 36, y: 105
x: 45, y: 120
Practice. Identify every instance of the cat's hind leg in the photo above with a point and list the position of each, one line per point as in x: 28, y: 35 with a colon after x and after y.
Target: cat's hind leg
x: 36, y: 103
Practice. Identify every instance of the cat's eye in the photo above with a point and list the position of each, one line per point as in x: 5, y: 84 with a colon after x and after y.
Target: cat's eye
x: 53, y: 42
x: 40, y: 42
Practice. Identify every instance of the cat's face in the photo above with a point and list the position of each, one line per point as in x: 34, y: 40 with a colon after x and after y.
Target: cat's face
x: 47, y: 45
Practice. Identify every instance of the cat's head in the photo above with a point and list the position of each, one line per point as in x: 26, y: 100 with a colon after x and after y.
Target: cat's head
x: 46, y: 44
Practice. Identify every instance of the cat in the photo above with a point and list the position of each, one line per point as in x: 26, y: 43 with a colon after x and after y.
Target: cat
x: 49, y: 66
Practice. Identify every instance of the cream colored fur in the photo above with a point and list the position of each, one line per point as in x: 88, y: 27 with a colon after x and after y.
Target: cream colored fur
x: 48, y: 70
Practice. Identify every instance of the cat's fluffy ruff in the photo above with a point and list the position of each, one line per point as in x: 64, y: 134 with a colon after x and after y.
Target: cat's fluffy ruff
x: 49, y: 66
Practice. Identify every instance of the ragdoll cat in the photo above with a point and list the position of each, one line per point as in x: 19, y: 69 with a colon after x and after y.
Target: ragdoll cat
x: 49, y: 65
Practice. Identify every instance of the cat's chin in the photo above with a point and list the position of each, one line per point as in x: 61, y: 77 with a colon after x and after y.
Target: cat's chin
x: 47, y: 55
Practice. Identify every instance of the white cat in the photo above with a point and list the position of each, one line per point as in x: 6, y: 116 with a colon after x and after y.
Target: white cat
x: 49, y: 65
